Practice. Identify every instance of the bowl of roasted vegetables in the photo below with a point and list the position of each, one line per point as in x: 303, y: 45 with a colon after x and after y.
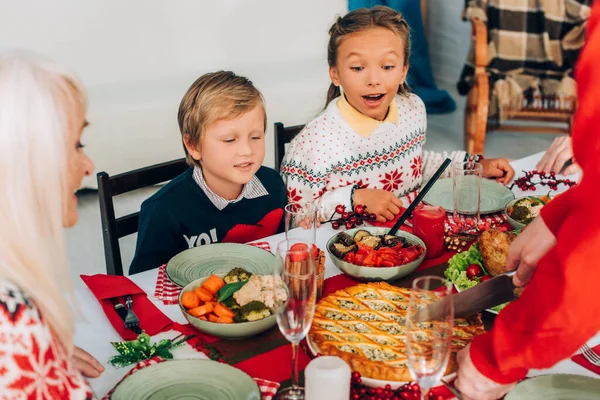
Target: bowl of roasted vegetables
x: 370, y: 254
x: 235, y: 305
x: 523, y: 210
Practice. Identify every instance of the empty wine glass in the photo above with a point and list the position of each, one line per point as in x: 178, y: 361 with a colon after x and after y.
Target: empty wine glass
x: 294, y: 291
x: 428, y: 336
x: 301, y: 221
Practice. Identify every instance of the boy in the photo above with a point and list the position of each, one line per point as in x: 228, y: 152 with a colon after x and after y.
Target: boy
x: 226, y: 196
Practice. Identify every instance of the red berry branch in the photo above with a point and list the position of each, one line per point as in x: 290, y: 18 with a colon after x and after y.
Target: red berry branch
x: 544, y: 179
x: 409, y: 391
x: 350, y: 219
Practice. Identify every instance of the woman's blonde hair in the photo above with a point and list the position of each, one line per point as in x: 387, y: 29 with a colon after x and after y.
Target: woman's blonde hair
x: 360, y: 20
x: 215, y: 96
x: 37, y: 97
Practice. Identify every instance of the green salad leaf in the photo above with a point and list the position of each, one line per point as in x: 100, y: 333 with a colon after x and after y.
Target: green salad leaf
x: 229, y: 289
x: 457, y: 270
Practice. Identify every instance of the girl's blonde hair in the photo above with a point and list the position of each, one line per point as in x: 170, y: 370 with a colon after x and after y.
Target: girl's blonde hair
x: 360, y: 20
x: 36, y: 99
x: 215, y: 96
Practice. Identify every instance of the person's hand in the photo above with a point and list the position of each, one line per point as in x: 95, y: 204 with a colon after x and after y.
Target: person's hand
x: 559, y: 152
x: 381, y: 202
x: 86, y: 363
x: 527, y: 249
x: 497, y: 168
x: 473, y: 384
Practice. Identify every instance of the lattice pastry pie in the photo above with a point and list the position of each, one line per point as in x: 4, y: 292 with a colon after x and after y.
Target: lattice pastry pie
x: 365, y: 326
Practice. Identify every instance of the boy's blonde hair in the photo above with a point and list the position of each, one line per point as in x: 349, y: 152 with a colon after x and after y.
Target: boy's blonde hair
x: 215, y: 96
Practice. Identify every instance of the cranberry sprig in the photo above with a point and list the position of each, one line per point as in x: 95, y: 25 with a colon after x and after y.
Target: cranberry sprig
x: 549, y: 179
x: 409, y: 391
x: 350, y: 219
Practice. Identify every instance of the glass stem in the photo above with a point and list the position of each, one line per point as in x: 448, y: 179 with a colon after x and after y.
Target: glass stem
x: 294, y: 366
x: 424, y: 393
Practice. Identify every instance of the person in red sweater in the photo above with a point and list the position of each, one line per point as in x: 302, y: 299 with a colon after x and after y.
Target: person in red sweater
x: 558, y: 312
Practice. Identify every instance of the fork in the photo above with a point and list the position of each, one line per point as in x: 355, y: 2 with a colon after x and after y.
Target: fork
x: 131, y: 320
x: 590, y: 355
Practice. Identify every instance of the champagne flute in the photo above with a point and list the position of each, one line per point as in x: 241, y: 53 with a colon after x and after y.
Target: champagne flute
x: 295, y: 292
x: 428, y: 339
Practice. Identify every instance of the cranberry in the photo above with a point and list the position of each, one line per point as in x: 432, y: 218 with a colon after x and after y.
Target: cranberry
x: 335, y: 225
x: 345, y: 215
x: 349, y: 225
x: 372, y: 216
x: 340, y: 208
x: 353, y: 220
x: 359, y: 209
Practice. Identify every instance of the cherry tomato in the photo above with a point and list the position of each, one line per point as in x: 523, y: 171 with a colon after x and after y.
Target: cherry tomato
x: 485, y: 278
x: 296, y: 254
x: 473, y: 271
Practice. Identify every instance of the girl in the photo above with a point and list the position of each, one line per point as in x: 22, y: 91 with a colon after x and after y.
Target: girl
x: 366, y: 147
x: 42, y: 163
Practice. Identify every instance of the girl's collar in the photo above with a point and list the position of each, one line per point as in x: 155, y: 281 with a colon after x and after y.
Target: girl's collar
x: 362, y: 124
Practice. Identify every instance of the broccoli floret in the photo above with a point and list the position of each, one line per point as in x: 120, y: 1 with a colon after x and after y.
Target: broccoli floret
x: 252, y: 311
x: 520, y: 213
x: 236, y: 275
x: 231, y: 304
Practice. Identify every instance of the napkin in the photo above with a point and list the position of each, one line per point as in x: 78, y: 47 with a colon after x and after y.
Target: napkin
x: 581, y: 360
x: 104, y: 287
x: 267, y: 388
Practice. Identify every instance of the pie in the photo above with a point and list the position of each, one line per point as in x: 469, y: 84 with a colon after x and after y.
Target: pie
x: 365, y: 326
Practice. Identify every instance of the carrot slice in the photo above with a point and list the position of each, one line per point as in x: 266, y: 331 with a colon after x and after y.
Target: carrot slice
x: 223, y: 311
x: 212, y: 317
x: 225, y: 320
x: 203, y: 317
x: 201, y: 310
x: 213, y: 284
x: 203, y: 294
x: 190, y: 300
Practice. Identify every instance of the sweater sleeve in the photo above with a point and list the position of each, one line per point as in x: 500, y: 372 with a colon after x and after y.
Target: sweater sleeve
x: 306, y: 181
x: 156, y: 241
x: 558, y: 309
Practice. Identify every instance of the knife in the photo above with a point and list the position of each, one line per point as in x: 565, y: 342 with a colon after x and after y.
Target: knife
x: 490, y: 293
x: 122, y: 312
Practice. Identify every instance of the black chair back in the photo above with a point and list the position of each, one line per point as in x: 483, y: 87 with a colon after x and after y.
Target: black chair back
x: 283, y: 135
x: 109, y: 186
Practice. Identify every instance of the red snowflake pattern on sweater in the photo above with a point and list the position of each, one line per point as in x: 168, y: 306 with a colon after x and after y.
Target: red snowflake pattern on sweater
x: 416, y: 166
x: 33, y: 364
x: 391, y: 181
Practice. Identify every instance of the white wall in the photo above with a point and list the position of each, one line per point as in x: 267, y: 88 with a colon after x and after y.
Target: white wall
x: 138, y: 57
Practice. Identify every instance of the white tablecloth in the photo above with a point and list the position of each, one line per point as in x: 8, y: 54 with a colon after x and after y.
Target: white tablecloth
x: 94, y: 333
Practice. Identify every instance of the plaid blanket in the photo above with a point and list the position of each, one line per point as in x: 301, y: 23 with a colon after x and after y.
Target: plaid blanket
x: 533, y: 46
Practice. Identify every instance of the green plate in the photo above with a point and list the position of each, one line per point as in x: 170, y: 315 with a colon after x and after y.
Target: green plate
x: 494, y: 196
x: 188, y: 379
x: 218, y: 258
x: 556, y: 387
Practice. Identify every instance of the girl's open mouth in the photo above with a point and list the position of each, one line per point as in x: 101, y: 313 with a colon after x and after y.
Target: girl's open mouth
x: 373, y: 98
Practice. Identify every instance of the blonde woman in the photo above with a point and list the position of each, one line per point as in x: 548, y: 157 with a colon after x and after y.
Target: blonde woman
x: 42, y: 163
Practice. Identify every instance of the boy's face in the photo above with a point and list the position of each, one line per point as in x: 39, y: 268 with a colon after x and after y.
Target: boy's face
x: 370, y: 68
x: 231, y: 151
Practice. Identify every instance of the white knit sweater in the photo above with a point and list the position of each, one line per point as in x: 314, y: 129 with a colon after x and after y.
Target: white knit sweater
x: 328, y: 158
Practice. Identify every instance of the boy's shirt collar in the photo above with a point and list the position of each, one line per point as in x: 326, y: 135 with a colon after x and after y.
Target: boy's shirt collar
x: 252, y: 190
x: 359, y: 122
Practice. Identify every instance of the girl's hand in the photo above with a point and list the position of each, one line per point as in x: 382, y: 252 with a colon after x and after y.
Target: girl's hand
x: 381, y: 202
x: 498, y: 168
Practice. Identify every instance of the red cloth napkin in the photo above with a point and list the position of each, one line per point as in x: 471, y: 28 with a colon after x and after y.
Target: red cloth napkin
x: 267, y: 388
x: 105, y: 287
x: 168, y: 292
x: 581, y: 360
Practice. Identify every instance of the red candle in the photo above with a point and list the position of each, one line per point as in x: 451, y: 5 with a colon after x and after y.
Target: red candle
x: 428, y: 225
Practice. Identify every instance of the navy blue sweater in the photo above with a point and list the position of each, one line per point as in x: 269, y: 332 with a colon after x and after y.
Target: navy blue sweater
x: 180, y: 216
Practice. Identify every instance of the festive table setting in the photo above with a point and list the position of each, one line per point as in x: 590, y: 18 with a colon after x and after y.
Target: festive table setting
x: 183, y: 321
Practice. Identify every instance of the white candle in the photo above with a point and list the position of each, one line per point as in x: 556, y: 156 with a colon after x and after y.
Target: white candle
x: 327, y: 378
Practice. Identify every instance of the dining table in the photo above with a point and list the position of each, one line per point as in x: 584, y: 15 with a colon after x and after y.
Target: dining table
x: 94, y: 333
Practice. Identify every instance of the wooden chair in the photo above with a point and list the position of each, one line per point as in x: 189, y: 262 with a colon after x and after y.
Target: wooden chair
x: 283, y: 135
x: 548, y: 109
x: 109, y: 186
